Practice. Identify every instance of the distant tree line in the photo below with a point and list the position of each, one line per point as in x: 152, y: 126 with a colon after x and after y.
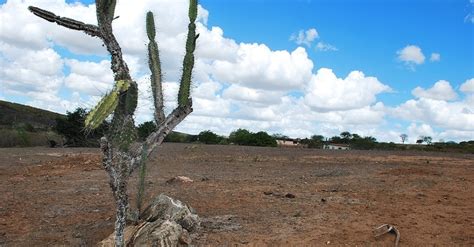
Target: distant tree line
x: 72, y: 128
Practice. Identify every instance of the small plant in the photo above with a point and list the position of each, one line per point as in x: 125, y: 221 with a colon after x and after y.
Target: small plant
x: 122, y: 151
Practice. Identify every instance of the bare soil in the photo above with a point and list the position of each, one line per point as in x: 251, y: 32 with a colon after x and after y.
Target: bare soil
x: 247, y: 195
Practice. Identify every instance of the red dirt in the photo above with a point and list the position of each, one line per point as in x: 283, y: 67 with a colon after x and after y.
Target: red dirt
x: 61, y: 196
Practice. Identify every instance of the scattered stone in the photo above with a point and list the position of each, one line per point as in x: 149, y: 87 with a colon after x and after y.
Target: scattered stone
x: 289, y: 195
x: 179, y: 180
x: 323, y: 200
x: 268, y: 193
x: 204, y: 179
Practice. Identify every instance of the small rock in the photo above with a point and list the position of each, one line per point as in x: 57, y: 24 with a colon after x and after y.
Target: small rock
x: 204, y: 179
x: 323, y: 199
x: 289, y: 195
x: 267, y: 193
x: 179, y: 179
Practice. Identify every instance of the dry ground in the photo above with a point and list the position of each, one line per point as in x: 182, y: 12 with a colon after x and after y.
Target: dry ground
x: 61, y: 196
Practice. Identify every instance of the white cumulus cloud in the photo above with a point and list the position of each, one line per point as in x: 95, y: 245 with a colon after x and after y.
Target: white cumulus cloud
x: 411, y: 55
x: 441, y: 90
x: 327, y: 92
x: 259, y: 67
x: 468, y: 86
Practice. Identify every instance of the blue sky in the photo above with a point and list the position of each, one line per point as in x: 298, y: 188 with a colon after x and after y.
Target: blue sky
x: 366, y: 33
x: 297, y: 67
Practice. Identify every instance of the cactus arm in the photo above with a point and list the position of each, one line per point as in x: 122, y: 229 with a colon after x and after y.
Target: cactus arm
x: 155, y: 68
x: 105, y: 11
x: 188, y: 62
x: 89, y: 29
x: 106, y: 105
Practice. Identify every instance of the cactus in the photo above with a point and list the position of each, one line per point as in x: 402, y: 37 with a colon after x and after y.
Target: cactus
x: 122, y: 153
x: 155, y: 68
x: 188, y: 62
x: 141, y: 183
x: 106, y: 105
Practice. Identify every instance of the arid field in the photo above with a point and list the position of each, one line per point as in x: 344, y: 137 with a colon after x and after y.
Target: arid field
x: 247, y: 195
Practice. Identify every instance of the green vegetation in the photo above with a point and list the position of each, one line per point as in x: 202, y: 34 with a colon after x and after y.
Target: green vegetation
x: 208, y: 137
x: 72, y: 127
x: 12, y: 115
x: 247, y: 138
x: 145, y: 129
x: 26, y: 126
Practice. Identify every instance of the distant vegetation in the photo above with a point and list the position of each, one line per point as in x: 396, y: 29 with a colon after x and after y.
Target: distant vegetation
x: 73, y: 129
x: 12, y: 114
x: 24, y: 126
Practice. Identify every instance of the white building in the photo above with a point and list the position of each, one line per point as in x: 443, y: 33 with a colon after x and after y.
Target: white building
x: 335, y: 146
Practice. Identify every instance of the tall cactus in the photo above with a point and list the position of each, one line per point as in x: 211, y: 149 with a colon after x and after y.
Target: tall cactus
x: 122, y: 153
x: 188, y: 62
x: 155, y: 68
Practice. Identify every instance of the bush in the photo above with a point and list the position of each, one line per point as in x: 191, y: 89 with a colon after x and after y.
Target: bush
x: 208, y: 137
x: 247, y: 138
x: 22, y: 138
x: 73, y: 129
x: 145, y: 129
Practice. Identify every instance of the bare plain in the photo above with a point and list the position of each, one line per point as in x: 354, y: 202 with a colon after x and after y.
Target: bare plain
x: 247, y: 195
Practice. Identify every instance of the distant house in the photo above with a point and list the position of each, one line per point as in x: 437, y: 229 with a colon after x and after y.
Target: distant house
x: 288, y: 142
x: 336, y: 146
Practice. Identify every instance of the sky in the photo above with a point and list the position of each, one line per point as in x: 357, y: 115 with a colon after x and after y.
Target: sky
x: 293, y: 67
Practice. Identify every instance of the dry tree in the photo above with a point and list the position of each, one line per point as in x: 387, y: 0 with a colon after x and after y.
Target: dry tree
x: 122, y: 152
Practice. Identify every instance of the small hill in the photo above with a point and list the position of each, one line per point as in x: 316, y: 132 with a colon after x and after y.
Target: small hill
x: 13, y: 114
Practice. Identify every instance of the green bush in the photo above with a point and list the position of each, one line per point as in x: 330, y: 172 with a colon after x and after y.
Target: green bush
x: 247, y: 138
x: 73, y: 129
x: 145, y: 129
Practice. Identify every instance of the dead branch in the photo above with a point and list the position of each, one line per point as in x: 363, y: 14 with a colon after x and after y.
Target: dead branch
x: 156, y: 138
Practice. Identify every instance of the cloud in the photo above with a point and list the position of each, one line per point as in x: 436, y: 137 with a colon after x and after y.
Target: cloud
x: 25, y: 71
x: 235, y: 85
x: 305, y: 37
x: 417, y: 131
x: 91, y: 78
x: 441, y: 90
x: 449, y: 115
x: 411, y: 55
x: 468, y: 86
x: 321, y: 46
x: 470, y: 17
x: 435, y: 57
x: 259, y: 67
x: 326, y: 92
x: 240, y: 93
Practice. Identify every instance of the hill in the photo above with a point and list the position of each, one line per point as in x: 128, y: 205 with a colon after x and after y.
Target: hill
x: 13, y: 114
